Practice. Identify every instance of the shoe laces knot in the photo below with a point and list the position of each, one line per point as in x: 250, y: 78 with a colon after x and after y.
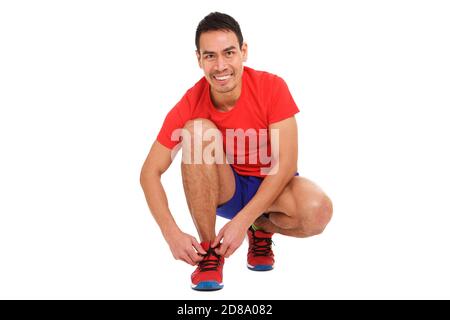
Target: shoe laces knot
x: 261, y: 246
x: 211, y: 261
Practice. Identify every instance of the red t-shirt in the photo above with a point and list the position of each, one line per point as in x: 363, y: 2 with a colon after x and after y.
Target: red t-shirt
x: 265, y: 99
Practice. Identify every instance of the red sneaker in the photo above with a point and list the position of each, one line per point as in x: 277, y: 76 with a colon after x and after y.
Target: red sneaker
x: 209, y: 273
x: 260, y: 256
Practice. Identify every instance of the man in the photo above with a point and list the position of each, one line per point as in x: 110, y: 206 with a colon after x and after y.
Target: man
x: 255, y: 185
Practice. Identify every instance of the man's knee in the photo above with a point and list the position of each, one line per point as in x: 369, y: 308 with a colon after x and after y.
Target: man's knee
x: 316, y: 219
x: 202, y: 142
x: 199, y: 124
x: 199, y: 129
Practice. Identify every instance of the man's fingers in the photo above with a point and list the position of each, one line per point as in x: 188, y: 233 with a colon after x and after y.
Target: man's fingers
x: 223, y: 248
x: 229, y: 252
x: 217, y: 239
x: 188, y: 260
x: 197, y: 246
x: 195, y: 257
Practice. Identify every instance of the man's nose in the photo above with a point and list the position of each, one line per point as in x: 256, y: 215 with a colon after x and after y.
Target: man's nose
x: 220, y: 63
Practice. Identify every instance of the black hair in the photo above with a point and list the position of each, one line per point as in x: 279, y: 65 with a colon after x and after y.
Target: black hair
x: 218, y: 21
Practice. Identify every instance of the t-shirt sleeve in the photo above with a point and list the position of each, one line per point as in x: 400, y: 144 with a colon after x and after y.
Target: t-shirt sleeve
x: 282, y: 105
x: 170, y: 133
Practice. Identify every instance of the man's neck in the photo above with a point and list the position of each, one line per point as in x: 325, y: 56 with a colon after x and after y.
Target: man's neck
x: 226, y: 101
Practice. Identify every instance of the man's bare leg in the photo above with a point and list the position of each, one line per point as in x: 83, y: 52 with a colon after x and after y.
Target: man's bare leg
x: 302, y: 210
x: 205, y: 185
x: 201, y: 186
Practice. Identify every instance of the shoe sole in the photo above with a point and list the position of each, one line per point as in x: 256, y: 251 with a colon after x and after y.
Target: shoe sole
x: 207, y: 286
x: 260, y: 267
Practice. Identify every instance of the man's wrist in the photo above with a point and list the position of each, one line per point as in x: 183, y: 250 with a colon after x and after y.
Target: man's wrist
x: 245, y: 218
x: 169, y: 230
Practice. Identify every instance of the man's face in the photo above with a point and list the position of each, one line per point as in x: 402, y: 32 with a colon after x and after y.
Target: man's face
x: 221, y: 59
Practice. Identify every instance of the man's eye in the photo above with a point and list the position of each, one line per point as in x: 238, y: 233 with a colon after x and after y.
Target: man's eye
x: 229, y: 53
x: 209, y: 56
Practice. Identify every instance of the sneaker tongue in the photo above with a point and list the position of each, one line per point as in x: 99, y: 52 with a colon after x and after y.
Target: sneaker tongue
x: 262, y: 234
x: 205, y: 245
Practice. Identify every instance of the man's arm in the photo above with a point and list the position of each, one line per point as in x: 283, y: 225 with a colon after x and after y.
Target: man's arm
x: 273, y: 185
x: 284, y: 165
x: 182, y: 245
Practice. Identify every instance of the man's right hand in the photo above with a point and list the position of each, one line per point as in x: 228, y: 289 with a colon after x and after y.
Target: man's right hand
x: 185, y: 247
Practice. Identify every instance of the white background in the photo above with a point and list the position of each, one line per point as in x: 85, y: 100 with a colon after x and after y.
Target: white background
x: 85, y: 86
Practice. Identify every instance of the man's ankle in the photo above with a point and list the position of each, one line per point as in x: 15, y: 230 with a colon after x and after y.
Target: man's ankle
x: 260, y: 221
x: 256, y: 228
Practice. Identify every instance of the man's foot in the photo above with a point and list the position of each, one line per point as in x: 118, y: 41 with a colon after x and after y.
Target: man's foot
x: 260, y: 256
x: 209, y: 273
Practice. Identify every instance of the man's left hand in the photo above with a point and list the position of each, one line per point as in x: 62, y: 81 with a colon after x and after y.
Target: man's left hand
x: 233, y: 234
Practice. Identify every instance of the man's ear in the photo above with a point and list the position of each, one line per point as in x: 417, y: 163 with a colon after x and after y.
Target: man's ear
x: 198, y: 59
x: 244, y: 50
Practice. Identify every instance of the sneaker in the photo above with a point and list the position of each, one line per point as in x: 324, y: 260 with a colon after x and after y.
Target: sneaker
x: 260, y: 256
x: 209, y: 273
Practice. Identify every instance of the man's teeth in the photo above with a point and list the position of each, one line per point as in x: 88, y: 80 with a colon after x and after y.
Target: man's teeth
x: 223, y: 77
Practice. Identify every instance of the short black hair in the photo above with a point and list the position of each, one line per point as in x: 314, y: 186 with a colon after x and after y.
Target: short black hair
x: 218, y: 21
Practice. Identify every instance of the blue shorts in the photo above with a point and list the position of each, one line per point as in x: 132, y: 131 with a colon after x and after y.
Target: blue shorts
x: 246, y: 188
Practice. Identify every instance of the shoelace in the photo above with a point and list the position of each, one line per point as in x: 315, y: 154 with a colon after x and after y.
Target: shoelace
x: 261, y: 246
x: 208, y: 263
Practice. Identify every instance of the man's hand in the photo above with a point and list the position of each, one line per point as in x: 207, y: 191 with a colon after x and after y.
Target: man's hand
x: 233, y: 234
x: 182, y: 246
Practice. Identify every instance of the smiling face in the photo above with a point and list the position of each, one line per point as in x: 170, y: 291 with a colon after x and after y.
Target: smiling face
x: 222, y: 61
